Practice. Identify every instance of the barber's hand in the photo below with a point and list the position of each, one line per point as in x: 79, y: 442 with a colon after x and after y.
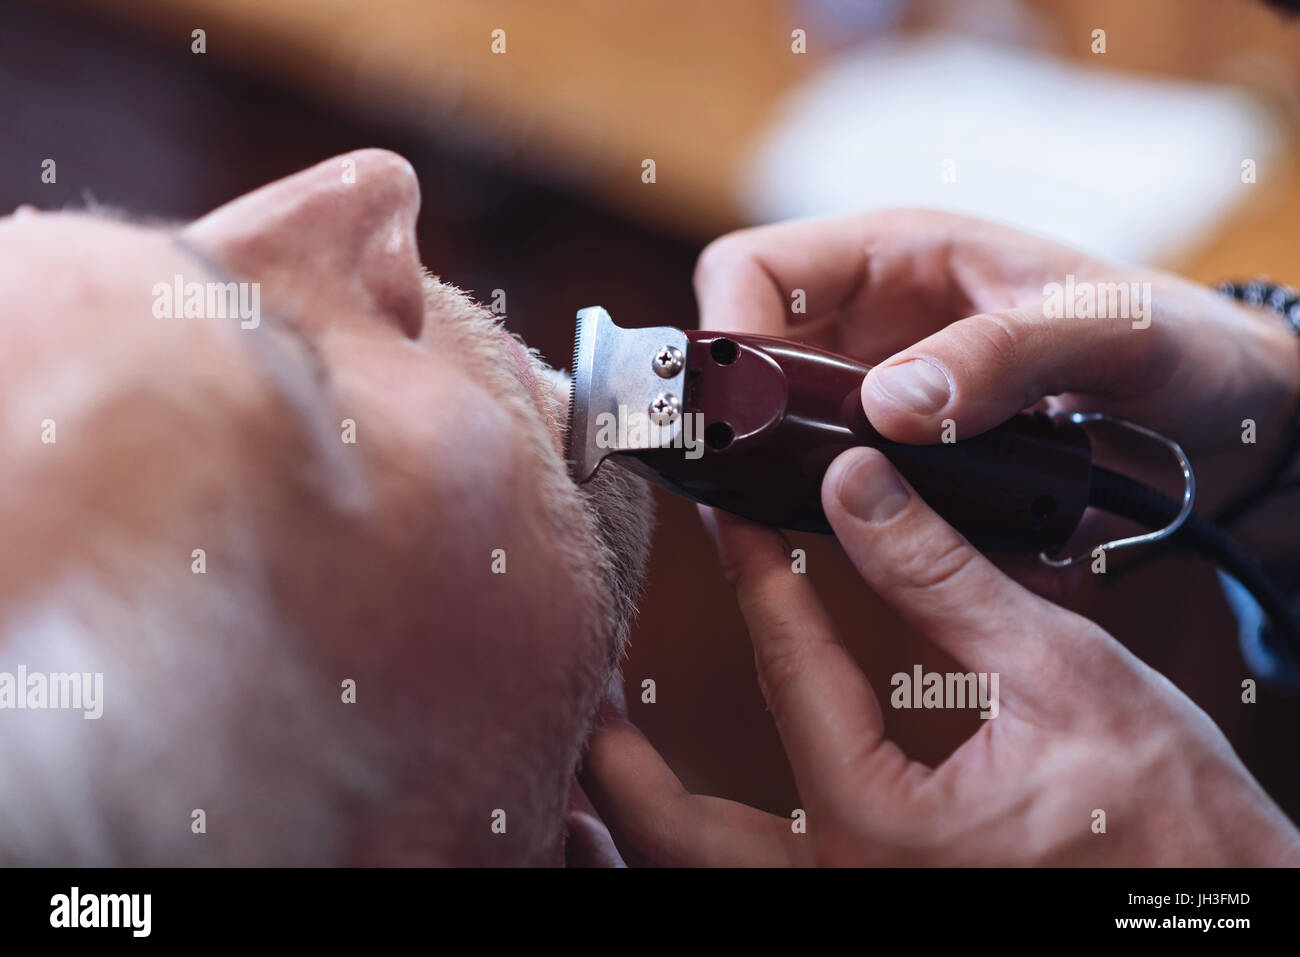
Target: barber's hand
x: 953, y: 309
x: 1082, y: 725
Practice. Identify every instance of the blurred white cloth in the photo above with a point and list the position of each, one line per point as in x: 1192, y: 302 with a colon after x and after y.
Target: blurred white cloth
x: 1126, y: 167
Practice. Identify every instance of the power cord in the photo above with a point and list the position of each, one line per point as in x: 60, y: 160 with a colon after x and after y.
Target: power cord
x: 1128, y: 498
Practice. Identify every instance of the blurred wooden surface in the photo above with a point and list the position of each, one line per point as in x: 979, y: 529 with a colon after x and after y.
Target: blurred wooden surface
x: 588, y: 89
x: 584, y: 92
x: 530, y: 169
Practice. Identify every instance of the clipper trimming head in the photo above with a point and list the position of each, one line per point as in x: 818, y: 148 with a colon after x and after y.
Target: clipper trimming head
x: 573, y: 395
x: 570, y: 444
x: 620, y: 374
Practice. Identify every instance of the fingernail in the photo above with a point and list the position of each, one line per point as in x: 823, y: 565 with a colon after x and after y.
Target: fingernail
x: 915, y: 386
x: 870, y: 488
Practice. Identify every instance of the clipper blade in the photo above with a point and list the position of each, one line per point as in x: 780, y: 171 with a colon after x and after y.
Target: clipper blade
x: 616, y: 389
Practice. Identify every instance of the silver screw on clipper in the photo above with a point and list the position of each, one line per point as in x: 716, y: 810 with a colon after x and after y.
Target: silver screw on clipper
x: 668, y: 362
x: 664, y: 409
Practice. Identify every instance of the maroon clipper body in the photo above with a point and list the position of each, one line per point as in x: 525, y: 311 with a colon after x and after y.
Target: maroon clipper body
x: 749, y: 424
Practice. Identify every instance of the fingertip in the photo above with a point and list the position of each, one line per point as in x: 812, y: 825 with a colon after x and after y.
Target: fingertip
x: 862, y: 483
x: 709, y: 519
x: 588, y: 842
x: 897, y: 412
x: 845, y: 461
x: 734, y: 292
x: 731, y: 531
x: 918, y: 385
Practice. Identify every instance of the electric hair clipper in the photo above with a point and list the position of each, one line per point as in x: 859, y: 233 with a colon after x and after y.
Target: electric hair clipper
x: 750, y: 424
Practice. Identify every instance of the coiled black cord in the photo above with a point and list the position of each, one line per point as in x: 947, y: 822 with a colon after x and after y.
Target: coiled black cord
x: 1130, y: 499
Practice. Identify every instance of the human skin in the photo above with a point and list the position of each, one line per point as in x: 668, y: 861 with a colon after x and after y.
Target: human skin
x: 327, y: 560
x: 1084, y: 726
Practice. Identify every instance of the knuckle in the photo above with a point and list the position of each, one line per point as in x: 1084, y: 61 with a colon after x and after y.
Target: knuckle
x: 744, y: 569
x: 778, y: 664
x: 910, y: 219
x: 940, y: 564
x: 731, y: 569
x: 655, y: 841
x: 1067, y: 653
x: 725, y: 250
x: 1000, y: 335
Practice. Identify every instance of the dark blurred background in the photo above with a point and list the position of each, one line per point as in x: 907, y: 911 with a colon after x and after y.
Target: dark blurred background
x: 530, y: 166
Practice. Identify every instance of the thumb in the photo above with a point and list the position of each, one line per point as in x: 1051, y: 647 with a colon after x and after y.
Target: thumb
x: 937, y: 580
x: 982, y: 370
